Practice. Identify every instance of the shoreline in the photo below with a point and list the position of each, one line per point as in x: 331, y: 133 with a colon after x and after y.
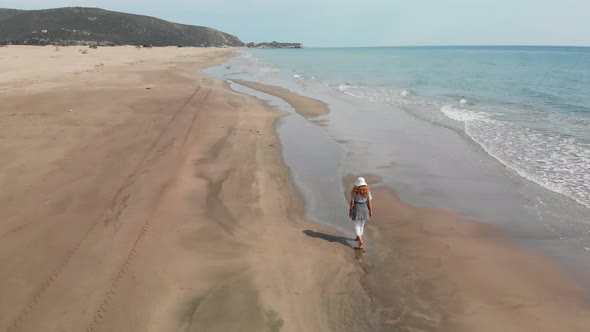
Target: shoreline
x: 306, y: 107
x: 438, y: 299
x: 430, y: 163
x: 163, y: 203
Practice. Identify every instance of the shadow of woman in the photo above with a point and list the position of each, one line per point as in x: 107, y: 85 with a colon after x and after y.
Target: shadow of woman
x: 330, y: 238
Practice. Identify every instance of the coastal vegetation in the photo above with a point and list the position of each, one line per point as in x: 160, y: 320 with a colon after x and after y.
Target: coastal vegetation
x: 94, y: 26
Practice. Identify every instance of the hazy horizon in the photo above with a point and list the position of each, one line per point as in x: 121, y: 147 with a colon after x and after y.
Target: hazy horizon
x: 375, y: 23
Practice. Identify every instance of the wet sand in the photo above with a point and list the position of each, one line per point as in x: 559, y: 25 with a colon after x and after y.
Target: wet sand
x: 433, y: 270
x: 307, y: 107
x: 139, y: 195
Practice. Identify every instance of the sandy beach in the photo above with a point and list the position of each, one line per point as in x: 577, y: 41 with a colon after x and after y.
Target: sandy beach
x: 139, y: 195
x: 434, y: 270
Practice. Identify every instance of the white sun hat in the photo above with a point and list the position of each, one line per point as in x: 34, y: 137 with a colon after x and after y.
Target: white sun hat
x: 360, y: 182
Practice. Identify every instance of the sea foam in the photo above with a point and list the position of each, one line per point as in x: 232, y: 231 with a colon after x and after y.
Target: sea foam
x: 269, y: 70
x: 552, y: 160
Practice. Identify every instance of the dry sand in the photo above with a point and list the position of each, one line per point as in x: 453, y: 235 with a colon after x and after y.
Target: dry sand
x: 433, y: 270
x: 138, y: 195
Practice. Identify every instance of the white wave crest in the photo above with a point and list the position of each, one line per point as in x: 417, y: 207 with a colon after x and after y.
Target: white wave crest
x: 343, y: 87
x: 554, y: 161
x: 463, y: 115
x: 269, y: 70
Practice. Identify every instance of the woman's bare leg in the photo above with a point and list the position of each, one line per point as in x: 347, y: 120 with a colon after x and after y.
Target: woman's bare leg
x: 360, y: 231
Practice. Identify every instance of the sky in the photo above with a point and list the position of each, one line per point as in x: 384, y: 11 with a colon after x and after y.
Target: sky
x: 331, y: 23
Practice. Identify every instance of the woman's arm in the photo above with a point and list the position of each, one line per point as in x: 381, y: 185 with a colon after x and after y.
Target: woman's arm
x: 351, y: 206
x: 370, y: 205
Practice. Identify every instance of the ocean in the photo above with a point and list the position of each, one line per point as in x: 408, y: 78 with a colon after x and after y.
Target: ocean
x: 498, y: 134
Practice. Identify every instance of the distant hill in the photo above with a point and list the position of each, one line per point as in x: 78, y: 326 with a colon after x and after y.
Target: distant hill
x: 274, y: 44
x: 87, y: 26
x: 6, y: 13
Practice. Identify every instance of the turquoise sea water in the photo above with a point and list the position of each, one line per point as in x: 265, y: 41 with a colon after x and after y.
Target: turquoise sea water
x: 497, y: 134
x: 528, y: 107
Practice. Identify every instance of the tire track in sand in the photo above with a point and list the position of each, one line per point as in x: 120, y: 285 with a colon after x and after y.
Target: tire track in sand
x: 123, y: 268
x: 104, y: 216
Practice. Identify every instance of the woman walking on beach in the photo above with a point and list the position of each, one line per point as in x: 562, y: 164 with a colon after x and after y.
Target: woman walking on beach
x: 361, y: 208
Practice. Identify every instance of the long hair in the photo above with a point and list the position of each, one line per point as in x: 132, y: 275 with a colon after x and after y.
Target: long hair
x: 362, y: 191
